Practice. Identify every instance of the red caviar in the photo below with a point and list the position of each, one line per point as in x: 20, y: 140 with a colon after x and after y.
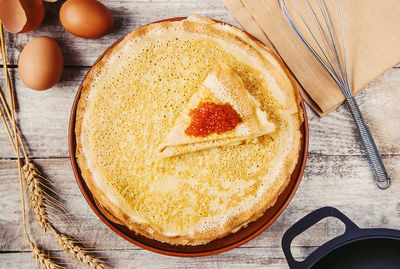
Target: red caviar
x: 210, y: 118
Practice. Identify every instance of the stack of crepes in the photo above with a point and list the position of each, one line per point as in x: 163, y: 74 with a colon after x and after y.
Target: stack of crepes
x: 141, y: 166
x: 372, y: 38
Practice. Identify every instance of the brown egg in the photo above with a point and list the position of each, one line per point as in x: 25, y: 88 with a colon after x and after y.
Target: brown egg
x: 20, y: 16
x: 40, y: 64
x: 86, y: 18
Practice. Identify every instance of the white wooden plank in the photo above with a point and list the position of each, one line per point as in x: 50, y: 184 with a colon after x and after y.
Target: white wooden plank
x: 336, y: 173
x: 44, y: 117
x: 243, y: 258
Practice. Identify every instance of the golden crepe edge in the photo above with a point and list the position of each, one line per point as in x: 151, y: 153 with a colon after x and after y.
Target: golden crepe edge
x: 286, y: 83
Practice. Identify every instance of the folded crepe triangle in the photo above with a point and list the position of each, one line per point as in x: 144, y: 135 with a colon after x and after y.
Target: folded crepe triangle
x: 221, y: 86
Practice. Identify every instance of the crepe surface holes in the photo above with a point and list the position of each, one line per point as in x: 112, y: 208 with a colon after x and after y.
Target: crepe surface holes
x: 133, y: 104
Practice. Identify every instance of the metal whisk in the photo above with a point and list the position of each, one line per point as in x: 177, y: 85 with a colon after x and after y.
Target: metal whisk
x: 337, y: 68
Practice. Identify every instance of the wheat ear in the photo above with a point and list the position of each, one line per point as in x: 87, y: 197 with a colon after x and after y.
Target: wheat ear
x: 43, y: 259
x: 37, y: 253
x: 71, y: 247
x: 36, y: 194
x: 35, y: 182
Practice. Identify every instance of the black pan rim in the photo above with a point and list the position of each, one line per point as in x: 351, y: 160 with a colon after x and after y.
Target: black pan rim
x: 356, y: 236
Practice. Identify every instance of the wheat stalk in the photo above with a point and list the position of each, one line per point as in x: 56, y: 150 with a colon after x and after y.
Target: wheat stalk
x: 71, y: 247
x: 38, y: 254
x: 35, y: 183
x: 44, y: 259
x: 36, y: 195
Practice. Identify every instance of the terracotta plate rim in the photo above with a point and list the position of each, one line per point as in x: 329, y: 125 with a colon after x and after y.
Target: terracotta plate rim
x: 259, y: 227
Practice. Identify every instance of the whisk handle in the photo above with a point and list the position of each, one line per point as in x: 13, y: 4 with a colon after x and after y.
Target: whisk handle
x: 381, y: 177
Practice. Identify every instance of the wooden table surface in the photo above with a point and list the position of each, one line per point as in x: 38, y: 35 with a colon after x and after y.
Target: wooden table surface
x: 337, y: 172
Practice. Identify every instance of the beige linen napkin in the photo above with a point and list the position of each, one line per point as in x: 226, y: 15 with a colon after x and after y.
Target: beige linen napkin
x: 372, y: 31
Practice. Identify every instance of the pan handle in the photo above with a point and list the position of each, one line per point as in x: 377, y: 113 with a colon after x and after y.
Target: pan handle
x: 307, y: 222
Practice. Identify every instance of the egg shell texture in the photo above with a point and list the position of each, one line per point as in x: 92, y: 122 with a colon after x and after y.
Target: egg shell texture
x: 86, y: 18
x: 20, y: 16
x: 40, y: 64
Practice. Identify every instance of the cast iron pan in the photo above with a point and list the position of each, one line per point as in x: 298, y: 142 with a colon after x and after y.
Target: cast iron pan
x: 356, y: 248
x: 226, y: 243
